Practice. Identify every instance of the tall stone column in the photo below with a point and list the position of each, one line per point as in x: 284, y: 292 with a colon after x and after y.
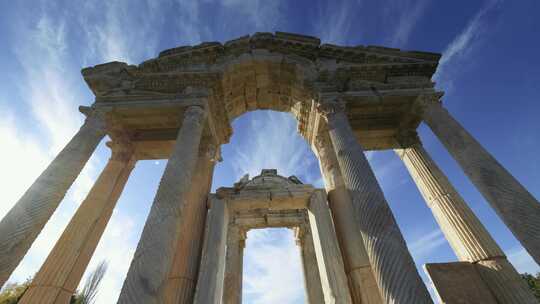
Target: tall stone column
x: 467, y: 236
x: 312, y: 278
x: 22, y: 224
x: 236, y: 242
x: 156, y: 249
x: 180, y: 285
x: 210, y: 280
x: 518, y: 209
x: 63, y: 269
x: 392, y: 264
x: 362, y: 283
x: 329, y: 261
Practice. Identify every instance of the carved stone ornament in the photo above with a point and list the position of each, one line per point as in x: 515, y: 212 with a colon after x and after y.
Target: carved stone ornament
x: 407, y: 139
x: 122, y: 150
x: 95, y: 118
x: 329, y: 107
x: 425, y: 100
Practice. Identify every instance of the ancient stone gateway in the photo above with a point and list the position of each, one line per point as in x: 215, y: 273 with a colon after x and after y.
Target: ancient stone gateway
x: 347, y: 100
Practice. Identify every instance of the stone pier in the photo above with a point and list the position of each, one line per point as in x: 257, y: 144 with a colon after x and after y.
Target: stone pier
x: 312, y: 278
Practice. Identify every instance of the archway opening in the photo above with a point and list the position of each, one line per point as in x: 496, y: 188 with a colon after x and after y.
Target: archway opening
x: 272, y: 268
x: 265, y: 139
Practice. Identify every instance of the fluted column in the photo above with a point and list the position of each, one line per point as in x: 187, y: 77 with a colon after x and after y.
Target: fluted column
x: 392, y: 264
x: 232, y: 289
x: 329, y: 261
x: 155, y: 252
x: 210, y: 280
x: 312, y: 279
x: 362, y: 283
x: 180, y: 285
x: 518, y: 209
x: 22, y: 224
x: 466, y: 234
x: 63, y: 269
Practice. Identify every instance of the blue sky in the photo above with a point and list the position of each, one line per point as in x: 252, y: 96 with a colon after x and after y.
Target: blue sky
x: 490, y: 71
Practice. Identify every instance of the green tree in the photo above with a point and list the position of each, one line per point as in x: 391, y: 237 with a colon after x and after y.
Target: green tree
x: 533, y: 282
x: 13, y: 292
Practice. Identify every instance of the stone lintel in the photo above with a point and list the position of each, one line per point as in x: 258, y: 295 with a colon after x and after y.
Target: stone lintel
x: 267, y: 218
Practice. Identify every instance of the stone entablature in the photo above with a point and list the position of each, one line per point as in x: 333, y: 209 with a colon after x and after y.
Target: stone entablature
x: 281, y: 71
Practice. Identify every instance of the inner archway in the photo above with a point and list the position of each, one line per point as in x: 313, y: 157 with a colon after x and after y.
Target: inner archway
x: 272, y: 271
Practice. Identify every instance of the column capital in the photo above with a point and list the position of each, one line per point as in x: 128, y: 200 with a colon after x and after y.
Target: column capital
x: 407, y: 139
x: 210, y: 150
x: 121, y: 150
x: 95, y: 118
x: 424, y: 101
x: 329, y: 106
x: 195, y: 112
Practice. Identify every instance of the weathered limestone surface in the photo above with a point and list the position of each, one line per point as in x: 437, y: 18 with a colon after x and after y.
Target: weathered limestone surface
x: 467, y: 236
x: 459, y: 282
x: 331, y: 269
x: 504, y: 281
x: 385, y: 245
x: 232, y: 289
x: 362, y: 283
x: 516, y: 206
x: 210, y: 280
x: 180, y: 285
x: 312, y: 278
x: 22, y: 224
x: 155, y: 251
x: 62, y: 271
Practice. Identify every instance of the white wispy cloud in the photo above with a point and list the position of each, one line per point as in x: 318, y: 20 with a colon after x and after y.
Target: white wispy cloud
x: 453, y: 58
x: 426, y: 244
x: 272, y: 268
x: 272, y: 142
x: 120, y: 30
x: 334, y: 22
x: 407, y: 14
x: 522, y: 261
x: 261, y: 14
x: 31, y: 142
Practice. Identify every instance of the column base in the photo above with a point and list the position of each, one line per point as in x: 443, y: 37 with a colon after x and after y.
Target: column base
x: 504, y: 281
x: 46, y: 294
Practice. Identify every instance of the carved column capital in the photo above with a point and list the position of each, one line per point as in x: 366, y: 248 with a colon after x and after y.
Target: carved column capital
x: 96, y: 119
x: 330, y: 107
x: 195, y: 112
x: 122, y: 150
x: 424, y: 101
x: 210, y: 150
x: 407, y: 139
